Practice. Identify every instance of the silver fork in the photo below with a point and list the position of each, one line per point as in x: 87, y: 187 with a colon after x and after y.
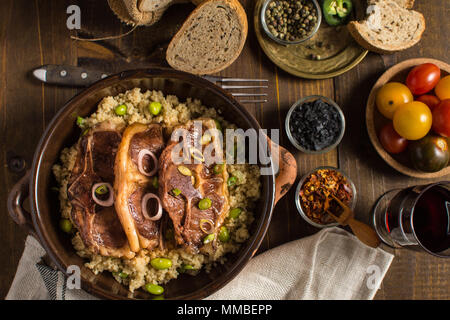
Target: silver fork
x: 220, y: 81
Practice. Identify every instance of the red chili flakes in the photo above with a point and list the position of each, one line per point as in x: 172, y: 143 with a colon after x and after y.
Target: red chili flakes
x: 317, y: 187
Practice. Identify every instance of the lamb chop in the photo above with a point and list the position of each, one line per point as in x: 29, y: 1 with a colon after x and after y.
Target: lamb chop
x: 136, y: 199
x: 91, y: 195
x: 194, y: 194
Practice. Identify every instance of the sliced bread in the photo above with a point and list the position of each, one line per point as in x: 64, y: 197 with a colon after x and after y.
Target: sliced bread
x: 388, y: 28
x: 210, y: 39
x: 408, y: 4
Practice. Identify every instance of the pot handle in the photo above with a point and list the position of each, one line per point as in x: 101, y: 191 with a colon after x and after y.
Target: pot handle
x: 16, y: 197
x: 287, y: 172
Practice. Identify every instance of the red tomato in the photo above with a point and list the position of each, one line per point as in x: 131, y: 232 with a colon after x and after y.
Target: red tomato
x: 423, y: 78
x: 391, y: 141
x: 441, y: 118
x: 430, y: 100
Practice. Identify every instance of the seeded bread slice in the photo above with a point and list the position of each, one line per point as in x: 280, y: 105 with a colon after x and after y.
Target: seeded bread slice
x: 388, y: 27
x: 210, y: 39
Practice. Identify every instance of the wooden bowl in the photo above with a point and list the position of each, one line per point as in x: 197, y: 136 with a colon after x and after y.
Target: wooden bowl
x: 375, y: 120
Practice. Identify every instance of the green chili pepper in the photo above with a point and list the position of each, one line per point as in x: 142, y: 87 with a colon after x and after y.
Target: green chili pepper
x: 218, y: 168
x: 337, y: 12
x: 101, y: 190
x: 231, y: 181
x: 176, y: 192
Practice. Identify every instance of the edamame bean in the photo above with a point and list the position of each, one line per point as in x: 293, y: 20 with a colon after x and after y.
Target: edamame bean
x: 121, y: 110
x: 224, y: 235
x: 123, y: 275
x: 80, y: 121
x: 161, y: 263
x: 154, y: 289
x: 154, y: 108
x: 234, y: 213
x: 204, y: 204
x: 209, y: 238
x: 65, y: 225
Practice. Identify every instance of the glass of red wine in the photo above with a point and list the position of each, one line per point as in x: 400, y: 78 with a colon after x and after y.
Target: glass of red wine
x: 416, y: 217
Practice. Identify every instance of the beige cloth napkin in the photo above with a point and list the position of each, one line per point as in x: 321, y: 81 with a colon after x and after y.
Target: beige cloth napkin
x: 332, y: 264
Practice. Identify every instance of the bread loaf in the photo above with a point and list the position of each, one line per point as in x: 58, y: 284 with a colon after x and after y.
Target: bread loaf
x: 389, y: 27
x: 210, y: 39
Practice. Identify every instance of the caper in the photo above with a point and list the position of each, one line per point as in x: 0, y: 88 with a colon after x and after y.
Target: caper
x: 161, y: 263
x: 154, y: 289
x: 154, y: 108
x: 121, y: 110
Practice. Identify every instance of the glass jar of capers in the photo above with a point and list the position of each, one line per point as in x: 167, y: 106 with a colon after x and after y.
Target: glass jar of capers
x: 291, y: 20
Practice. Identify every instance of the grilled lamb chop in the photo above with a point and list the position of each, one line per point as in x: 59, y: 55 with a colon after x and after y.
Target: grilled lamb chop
x: 182, y: 186
x: 136, y: 164
x: 99, y: 227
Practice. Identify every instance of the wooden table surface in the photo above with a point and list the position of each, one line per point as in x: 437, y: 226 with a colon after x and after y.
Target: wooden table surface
x: 34, y: 32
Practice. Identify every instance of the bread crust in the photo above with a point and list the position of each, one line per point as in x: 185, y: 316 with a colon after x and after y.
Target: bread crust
x: 354, y: 28
x: 234, y: 4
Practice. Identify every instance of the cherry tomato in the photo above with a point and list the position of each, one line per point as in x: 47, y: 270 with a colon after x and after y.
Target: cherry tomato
x: 430, y: 100
x: 441, y: 118
x: 423, y: 78
x: 390, y: 96
x: 391, y: 141
x: 442, y: 89
x: 412, y: 120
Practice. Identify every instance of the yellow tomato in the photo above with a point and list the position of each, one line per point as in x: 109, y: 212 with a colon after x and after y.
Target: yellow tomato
x: 443, y: 88
x: 392, y: 95
x: 413, y: 120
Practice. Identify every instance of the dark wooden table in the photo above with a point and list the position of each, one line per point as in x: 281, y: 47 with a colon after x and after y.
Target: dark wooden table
x: 34, y: 32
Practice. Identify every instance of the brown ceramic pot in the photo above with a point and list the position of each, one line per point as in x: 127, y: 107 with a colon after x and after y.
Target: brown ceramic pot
x: 42, y: 221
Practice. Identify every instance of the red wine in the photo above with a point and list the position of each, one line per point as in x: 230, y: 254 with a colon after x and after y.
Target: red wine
x: 431, y: 219
x: 414, y: 216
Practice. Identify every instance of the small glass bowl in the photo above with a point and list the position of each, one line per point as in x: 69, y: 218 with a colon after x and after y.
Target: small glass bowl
x: 284, y: 42
x: 298, y: 201
x: 309, y: 99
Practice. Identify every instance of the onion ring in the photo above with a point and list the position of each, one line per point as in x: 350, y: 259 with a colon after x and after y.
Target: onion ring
x: 104, y: 203
x: 141, y: 156
x: 207, y: 222
x: 145, y: 199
